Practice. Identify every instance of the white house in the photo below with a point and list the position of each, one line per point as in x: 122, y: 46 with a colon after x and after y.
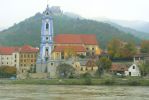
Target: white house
x: 9, y: 56
x: 133, y: 70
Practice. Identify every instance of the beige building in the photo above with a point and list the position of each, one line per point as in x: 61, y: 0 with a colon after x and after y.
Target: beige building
x: 23, y: 58
x: 9, y: 56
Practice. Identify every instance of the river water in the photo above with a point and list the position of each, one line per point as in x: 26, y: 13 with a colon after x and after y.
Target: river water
x: 53, y: 92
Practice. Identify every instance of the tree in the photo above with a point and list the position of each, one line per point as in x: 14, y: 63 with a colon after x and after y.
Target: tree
x: 145, y: 46
x: 6, y: 71
x: 120, y: 49
x: 114, y: 47
x: 104, y: 64
x: 144, y: 68
x: 65, y: 70
x: 129, y: 50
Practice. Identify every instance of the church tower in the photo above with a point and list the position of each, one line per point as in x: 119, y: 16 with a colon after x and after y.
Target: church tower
x: 46, y: 45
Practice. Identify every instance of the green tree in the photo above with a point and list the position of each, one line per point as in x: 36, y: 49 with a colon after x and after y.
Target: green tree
x: 144, y: 68
x: 104, y: 64
x: 65, y: 70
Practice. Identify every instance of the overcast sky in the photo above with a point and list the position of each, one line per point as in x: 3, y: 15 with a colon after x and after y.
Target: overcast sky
x: 14, y: 11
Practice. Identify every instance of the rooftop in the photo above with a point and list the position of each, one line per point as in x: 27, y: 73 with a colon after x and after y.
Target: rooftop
x: 88, y: 39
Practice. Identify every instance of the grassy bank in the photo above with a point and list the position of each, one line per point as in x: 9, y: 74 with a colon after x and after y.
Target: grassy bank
x: 86, y: 81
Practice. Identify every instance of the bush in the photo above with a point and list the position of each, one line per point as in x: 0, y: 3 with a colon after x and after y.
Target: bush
x: 86, y: 75
x: 109, y: 81
x: 88, y: 81
x: 134, y: 82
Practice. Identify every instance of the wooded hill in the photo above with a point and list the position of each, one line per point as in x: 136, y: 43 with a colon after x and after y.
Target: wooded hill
x: 29, y: 30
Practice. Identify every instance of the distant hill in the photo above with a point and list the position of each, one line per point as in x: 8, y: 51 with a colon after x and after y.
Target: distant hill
x: 137, y: 28
x: 28, y: 31
x: 136, y: 33
x: 142, y: 26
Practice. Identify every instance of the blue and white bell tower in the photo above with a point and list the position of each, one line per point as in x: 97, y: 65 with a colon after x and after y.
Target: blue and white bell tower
x: 46, y: 45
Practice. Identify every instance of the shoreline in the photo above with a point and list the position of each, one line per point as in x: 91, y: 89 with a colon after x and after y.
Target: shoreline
x: 89, y: 82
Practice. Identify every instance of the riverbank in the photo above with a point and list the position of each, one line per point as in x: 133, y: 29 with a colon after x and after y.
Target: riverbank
x: 86, y: 81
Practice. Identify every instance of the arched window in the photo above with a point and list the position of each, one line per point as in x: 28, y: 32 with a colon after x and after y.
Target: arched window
x: 47, y: 26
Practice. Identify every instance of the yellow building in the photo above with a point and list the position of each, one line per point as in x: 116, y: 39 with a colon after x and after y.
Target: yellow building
x: 66, y: 45
x: 28, y: 56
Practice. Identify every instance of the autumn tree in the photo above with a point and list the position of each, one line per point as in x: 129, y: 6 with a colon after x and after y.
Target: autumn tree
x: 129, y: 50
x: 120, y: 49
x: 145, y: 46
x: 114, y: 48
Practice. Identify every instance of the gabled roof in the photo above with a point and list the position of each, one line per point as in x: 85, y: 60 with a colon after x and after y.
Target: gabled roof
x: 119, y: 67
x: 75, y: 48
x: 88, y: 39
x: 27, y: 48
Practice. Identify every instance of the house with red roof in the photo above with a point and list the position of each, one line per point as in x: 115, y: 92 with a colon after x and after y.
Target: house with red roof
x: 75, y: 44
x: 9, y: 56
x: 20, y: 57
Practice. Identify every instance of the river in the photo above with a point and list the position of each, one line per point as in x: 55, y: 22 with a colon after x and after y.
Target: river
x: 54, y: 92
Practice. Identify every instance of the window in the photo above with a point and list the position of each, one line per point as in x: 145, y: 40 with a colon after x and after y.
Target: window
x: 47, y: 38
x: 93, y: 53
x: 133, y: 67
x: 87, y: 49
x: 15, y: 61
x: 92, y: 48
x: 47, y: 26
x: 24, y: 60
x: 15, y: 56
x: 28, y: 55
x: 51, y: 64
x: 47, y: 13
x: 47, y: 51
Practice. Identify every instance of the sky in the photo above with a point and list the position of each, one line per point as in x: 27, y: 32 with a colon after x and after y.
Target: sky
x: 14, y: 11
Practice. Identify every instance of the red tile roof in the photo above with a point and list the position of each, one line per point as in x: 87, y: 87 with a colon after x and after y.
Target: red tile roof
x: 75, y: 48
x: 28, y: 48
x: 10, y: 50
x: 118, y: 67
x: 88, y: 39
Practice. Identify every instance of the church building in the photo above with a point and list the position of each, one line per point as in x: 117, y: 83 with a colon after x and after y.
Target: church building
x: 75, y: 44
x: 55, y: 50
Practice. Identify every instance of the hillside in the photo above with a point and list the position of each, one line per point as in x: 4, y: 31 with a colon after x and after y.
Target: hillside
x: 134, y: 32
x: 28, y: 31
x: 136, y: 28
